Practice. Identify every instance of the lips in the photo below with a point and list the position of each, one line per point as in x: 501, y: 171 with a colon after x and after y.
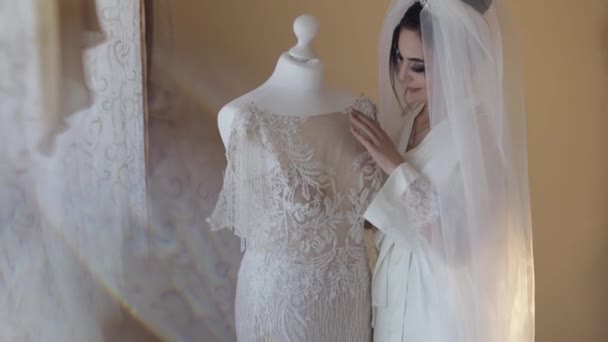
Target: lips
x: 410, y: 91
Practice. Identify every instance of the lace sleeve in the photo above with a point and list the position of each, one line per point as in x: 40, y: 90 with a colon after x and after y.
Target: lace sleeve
x: 406, y: 208
x: 242, y: 179
x: 219, y: 217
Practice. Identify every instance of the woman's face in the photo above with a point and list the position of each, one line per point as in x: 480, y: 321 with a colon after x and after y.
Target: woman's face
x: 411, y: 68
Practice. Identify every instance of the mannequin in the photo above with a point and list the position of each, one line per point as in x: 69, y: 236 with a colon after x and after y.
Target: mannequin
x: 295, y: 186
x: 297, y: 86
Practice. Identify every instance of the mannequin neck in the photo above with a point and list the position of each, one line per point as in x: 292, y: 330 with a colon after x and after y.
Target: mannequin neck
x: 308, y: 76
x: 298, y: 88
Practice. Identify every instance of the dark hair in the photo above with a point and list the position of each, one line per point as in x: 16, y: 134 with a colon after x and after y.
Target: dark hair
x: 411, y: 21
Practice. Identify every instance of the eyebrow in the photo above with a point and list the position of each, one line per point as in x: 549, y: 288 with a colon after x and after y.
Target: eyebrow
x: 415, y: 60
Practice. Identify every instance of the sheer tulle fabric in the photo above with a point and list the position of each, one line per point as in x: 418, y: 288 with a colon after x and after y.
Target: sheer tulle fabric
x: 476, y: 225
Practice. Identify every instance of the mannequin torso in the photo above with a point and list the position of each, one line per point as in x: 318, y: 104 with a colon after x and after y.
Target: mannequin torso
x: 296, y: 87
x: 295, y: 185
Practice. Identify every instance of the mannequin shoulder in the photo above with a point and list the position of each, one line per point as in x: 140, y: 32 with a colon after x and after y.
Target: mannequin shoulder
x: 229, y: 110
x: 225, y: 117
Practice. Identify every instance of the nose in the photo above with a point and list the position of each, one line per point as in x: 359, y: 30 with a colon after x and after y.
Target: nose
x: 403, y: 74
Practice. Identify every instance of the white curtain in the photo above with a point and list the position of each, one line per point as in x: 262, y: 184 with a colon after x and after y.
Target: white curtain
x: 67, y: 217
x: 86, y: 222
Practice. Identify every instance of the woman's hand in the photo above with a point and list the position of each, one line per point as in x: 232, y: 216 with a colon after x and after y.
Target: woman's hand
x: 369, y: 133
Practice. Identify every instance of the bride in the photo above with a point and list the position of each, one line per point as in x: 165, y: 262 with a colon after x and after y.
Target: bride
x: 453, y: 218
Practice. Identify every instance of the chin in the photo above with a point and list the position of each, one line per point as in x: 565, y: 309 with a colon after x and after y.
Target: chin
x: 414, y: 101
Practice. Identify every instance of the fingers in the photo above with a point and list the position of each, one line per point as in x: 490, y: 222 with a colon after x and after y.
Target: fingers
x: 365, y: 127
x: 372, y: 124
x: 365, y: 119
x: 369, y: 146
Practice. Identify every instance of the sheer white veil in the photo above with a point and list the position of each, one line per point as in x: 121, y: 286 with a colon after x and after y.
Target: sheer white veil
x: 483, y: 238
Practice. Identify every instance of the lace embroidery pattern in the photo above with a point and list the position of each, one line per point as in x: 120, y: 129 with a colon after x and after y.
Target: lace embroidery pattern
x: 421, y: 203
x: 304, y: 276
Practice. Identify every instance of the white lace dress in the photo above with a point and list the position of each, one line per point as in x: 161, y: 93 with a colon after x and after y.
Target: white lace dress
x: 295, y: 190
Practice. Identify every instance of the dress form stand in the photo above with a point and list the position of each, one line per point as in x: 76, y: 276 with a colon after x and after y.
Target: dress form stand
x: 296, y: 87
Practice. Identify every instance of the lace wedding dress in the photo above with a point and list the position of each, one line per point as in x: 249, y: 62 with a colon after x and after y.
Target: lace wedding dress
x: 295, y: 189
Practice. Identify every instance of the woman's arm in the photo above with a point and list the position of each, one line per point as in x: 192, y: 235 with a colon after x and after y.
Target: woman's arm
x: 405, y: 208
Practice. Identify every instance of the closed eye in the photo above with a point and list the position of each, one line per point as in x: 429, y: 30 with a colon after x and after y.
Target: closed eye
x: 418, y: 68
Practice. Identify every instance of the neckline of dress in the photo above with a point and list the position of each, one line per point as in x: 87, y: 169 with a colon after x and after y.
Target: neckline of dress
x: 258, y: 109
x: 427, y: 138
x: 408, y: 128
x: 420, y: 145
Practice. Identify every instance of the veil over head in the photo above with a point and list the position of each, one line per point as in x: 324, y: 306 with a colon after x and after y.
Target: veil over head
x: 483, y: 237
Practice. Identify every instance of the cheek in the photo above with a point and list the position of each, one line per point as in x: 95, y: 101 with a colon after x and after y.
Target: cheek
x: 419, y: 80
x: 425, y: 96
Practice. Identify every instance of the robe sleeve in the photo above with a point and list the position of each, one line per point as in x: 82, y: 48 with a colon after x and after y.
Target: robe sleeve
x: 404, y: 207
x: 407, y: 209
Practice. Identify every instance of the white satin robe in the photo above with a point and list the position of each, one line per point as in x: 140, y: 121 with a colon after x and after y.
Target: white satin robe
x: 403, y: 287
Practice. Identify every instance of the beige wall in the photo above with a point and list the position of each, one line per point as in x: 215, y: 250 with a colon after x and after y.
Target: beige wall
x: 227, y: 47
x: 566, y: 56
